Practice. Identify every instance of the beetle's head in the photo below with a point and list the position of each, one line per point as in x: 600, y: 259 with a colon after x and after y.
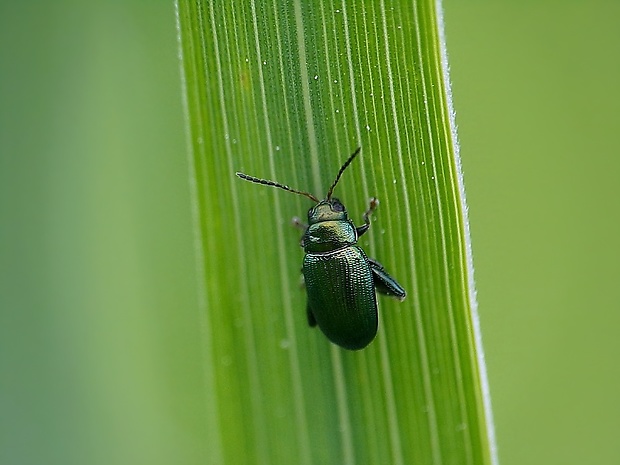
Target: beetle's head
x: 327, y: 210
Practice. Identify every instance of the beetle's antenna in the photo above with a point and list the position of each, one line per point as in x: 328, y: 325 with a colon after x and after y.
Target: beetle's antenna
x: 266, y: 182
x: 344, y: 167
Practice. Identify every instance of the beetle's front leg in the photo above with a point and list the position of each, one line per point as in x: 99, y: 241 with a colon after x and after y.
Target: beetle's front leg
x: 374, y: 202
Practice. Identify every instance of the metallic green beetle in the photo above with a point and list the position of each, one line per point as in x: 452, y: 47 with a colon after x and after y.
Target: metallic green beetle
x: 340, y: 279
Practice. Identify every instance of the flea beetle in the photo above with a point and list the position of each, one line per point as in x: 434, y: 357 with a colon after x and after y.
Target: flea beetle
x: 340, y: 279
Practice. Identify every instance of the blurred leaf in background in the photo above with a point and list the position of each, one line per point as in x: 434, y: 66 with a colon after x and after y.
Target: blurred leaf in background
x: 537, y: 97
x: 99, y: 357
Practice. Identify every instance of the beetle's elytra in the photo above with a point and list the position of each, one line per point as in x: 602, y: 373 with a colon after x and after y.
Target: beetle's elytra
x: 340, y: 279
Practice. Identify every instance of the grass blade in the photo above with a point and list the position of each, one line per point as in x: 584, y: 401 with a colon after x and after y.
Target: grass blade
x: 286, y: 91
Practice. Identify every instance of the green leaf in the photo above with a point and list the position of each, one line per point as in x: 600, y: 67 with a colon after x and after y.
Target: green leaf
x: 286, y: 91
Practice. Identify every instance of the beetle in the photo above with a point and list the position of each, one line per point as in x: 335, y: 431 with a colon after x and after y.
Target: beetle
x: 340, y: 278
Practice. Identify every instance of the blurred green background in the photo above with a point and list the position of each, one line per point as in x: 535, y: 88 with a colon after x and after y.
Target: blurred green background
x: 100, y: 358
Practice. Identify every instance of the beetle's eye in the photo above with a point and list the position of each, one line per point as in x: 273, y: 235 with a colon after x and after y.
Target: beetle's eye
x: 338, y: 207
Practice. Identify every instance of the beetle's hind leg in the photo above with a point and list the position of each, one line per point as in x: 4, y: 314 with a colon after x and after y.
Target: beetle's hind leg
x: 309, y: 314
x: 311, y: 319
x: 384, y: 283
x: 374, y: 202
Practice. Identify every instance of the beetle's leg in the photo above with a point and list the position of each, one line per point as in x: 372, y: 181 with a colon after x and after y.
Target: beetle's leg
x: 296, y: 221
x: 311, y: 319
x: 309, y: 314
x: 371, y: 208
x: 384, y: 283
